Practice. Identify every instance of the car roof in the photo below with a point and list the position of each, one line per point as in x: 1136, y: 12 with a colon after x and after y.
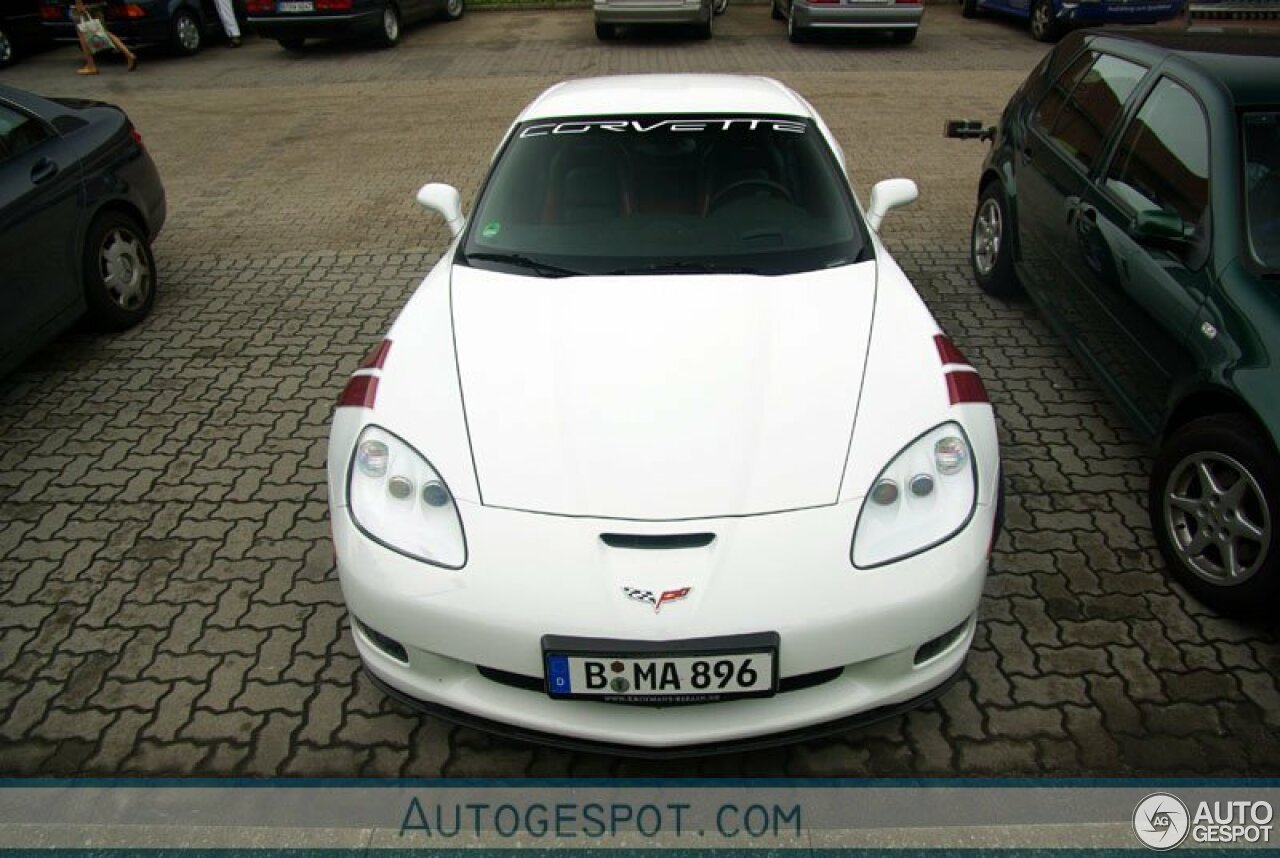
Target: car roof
x: 665, y: 94
x: 1246, y: 64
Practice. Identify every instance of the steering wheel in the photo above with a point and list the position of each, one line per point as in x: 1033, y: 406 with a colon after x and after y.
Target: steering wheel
x: 736, y: 187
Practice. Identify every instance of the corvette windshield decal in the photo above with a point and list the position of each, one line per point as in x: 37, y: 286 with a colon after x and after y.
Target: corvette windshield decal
x: 684, y: 125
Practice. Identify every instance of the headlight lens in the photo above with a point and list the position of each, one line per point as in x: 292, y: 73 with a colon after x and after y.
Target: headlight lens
x: 922, y: 498
x: 399, y: 500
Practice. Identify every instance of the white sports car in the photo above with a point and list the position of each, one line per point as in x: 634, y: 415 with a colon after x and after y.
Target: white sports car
x: 665, y: 455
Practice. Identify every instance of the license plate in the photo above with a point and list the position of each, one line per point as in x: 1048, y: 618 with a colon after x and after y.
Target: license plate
x: 295, y: 6
x: 686, y: 671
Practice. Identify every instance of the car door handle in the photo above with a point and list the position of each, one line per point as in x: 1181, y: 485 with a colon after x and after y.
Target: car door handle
x: 43, y: 170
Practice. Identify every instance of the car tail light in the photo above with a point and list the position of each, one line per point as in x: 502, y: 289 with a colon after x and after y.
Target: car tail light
x: 915, y: 2
x: 963, y: 382
x: 813, y: 2
x: 948, y: 352
x: 259, y: 6
x: 360, y: 392
x: 136, y: 135
x: 966, y: 386
x: 333, y: 5
x: 126, y: 10
x: 51, y: 12
x: 377, y: 356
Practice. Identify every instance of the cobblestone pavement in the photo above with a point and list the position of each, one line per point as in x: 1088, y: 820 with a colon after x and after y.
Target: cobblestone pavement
x: 168, y: 601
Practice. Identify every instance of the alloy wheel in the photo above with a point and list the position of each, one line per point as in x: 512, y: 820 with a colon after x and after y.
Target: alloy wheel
x: 1040, y: 21
x: 454, y: 8
x: 1217, y: 518
x: 390, y: 24
x: 188, y: 33
x: 988, y: 234
x: 122, y: 262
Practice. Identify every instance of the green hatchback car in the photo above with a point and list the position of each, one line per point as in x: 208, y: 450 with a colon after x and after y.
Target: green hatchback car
x: 1133, y: 190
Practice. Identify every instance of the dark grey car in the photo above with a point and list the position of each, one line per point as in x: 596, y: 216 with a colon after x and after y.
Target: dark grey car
x: 80, y: 204
x: 292, y: 22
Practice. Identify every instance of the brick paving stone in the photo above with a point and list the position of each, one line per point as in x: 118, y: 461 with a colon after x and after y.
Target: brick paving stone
x: 168, y: 599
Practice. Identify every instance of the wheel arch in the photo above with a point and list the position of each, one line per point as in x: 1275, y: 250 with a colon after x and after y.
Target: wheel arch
x: 994, y: 175
x: 1208, y: 402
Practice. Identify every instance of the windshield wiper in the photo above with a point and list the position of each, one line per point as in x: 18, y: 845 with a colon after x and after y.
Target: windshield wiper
x: 519, y: 260
x: 685, y: 268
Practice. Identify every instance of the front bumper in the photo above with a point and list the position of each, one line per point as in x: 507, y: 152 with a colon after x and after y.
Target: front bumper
x: 649, y: 12
x: 472, y: 638
x: 316, y: 26
x: 896, y: 16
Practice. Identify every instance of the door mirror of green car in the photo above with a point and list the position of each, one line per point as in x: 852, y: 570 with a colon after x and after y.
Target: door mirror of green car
x: 1159, y: 228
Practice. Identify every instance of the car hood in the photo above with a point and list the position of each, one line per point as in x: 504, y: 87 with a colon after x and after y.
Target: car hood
x: 661, y: 397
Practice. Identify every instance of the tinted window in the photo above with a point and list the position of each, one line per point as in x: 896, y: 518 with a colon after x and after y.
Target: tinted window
x: 1162, y: 163
x: 622, y: 194
x: 1056, y: 96
x: 1261, y: 132
x: 18, y: 132
x: 1094, y: 106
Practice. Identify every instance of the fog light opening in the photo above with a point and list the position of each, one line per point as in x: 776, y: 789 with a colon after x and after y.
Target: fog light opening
x: 931, y: 649
x: 388, y: 646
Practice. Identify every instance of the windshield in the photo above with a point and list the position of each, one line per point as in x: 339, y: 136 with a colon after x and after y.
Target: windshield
x: 1262, y: 185
x: 645, y: 194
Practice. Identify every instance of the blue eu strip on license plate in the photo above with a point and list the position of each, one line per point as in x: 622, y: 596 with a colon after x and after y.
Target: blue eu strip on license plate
x: 558, y: 674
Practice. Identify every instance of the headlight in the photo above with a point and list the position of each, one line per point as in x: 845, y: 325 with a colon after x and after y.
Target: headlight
x: 399, y: 500
x: 922, y: 498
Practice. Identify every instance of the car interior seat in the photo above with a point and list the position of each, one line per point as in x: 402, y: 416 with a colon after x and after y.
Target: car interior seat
x: 589, y: 182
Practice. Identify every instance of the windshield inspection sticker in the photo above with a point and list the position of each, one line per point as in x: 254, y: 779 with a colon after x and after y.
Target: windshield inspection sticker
x: 645, y: 126
x: 491, y: 229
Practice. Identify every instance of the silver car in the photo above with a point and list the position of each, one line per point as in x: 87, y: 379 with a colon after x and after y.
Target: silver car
x: 900, y: 17
x: 609, y: 14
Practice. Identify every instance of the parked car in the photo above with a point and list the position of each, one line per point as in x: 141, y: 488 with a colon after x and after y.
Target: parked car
x: 20, y: 29
x: 901, y: 18
x: 612, y: 14
x: 80, y: 204
x: 713, y: 448
x: 183, y: 26
x: 1050, y: 19
x: 1133, y: 190
x: 292, y: 22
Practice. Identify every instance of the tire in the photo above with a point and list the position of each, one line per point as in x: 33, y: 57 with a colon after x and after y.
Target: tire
x: 905, y: 37
x: 453, y: 9
x: 704, y: 30
x: 389, y: 28
x: 719, y: 7
x: 990, y: 253
x: 293, y: 43
x: 6, y: 49
x: 774, y: 12
x: 794, y: 33
x: 606, y: 32
x: 1043, y: 27
x: 969, y: 8
x: 186, y: 37
x: 1217, y: 479
x: 119, y: 272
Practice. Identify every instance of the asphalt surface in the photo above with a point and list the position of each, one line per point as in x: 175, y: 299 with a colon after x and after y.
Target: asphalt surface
x: 168, y: 598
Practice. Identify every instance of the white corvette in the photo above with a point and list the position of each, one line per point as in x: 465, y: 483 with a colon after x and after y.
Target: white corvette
x: 665, y: 455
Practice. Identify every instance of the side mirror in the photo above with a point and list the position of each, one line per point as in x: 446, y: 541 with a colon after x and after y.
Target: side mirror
x: 889, y: 195
x: 967, y: 129
x: 445, y: 201
x: 1159, y: 229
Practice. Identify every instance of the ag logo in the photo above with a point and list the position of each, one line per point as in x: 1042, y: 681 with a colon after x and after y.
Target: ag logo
x: 1161, y: 821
